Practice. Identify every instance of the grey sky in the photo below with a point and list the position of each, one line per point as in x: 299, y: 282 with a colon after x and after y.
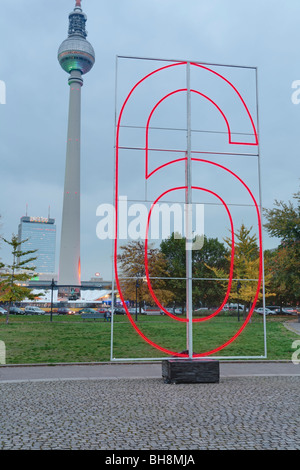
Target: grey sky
x: 33, y: 128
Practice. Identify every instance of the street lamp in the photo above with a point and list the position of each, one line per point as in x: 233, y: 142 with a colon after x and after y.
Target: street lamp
x: 52, y: 287
x: 238, y: 288
x: 137, y: 285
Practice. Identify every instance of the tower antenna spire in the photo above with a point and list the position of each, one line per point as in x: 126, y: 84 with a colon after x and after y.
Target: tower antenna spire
x: 78, y: 3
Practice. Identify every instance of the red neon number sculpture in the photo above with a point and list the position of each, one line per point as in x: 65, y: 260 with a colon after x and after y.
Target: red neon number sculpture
x: 173, y: 162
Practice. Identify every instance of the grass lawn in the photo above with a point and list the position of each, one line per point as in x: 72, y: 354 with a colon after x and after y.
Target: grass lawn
x: 34, y: 339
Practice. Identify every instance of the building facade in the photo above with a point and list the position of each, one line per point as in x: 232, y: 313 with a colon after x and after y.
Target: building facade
x: 40, y: 235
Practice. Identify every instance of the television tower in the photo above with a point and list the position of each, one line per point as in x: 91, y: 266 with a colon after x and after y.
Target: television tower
x: 76, y: 56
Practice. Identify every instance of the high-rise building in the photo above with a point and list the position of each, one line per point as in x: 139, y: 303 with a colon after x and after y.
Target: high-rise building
x: 76, y: 56
x: 40, y: 235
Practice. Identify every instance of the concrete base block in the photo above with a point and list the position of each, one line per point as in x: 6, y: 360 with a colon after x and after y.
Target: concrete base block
x: 190, y: 371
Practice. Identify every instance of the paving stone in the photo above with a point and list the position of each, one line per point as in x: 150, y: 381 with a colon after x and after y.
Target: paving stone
x: 137, y: 414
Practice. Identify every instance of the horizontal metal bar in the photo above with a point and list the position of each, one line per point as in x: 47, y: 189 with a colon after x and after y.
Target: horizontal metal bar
x: 184, y: 278
x: 182, y: 129
x: 180, y: 357
x: 185, y: 61
x: 194, y: 202
x: 192, y: 151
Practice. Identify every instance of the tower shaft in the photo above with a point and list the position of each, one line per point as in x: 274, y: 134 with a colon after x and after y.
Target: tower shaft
x: 69, y: 263
x: 76, y: 56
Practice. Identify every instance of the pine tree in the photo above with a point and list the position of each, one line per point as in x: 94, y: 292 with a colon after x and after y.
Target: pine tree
x: 246, y: 267
x: 11, y: 275
x: 246, y: 264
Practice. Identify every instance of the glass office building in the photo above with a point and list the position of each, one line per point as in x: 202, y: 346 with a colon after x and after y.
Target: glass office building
x: 40, y: 234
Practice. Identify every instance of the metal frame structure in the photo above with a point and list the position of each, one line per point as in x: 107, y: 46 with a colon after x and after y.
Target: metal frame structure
x: 188, y: 199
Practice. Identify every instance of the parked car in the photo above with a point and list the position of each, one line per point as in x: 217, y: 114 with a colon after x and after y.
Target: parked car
x: 275, y: 309
x: 233, y: 307
x: 289, y: 311
x: 65, y: 311
x: 16, y: 311
x: 3, y: 311
x: 119, y: 311
x: 152, y: 311
x: 34, y: 311
x: 105, y: 311
x: 260, y: 310
x: 87, y: 310
x: 130, y: 310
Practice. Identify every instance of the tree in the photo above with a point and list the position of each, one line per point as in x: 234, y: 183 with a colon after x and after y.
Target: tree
x: 246, y: 266
x: 283, y: 263
x: 210, y: 292
x: 283, y: 221
x: 132, y: 274
x: 205, y: 292
x: 12, y: 275
x: 173, y: 249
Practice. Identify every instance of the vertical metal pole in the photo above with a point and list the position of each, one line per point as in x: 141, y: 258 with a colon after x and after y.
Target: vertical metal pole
x: 52, y: 287
x: 188, y: 213
x: 260, y: 208
x: 136, y: 297
x: 238, y: 298
x: 115, y: 221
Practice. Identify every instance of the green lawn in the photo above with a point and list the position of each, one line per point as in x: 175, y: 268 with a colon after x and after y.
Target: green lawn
x: 34, y: 339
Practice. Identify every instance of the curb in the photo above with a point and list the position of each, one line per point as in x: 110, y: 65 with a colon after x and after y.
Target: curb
x: 225, y: 361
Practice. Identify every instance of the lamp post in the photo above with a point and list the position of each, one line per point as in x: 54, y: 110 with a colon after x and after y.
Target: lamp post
x: 238, y: 288
x: 52, y: 287
x: 137, y: 285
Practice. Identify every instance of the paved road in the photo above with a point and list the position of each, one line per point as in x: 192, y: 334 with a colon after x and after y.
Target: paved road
x: 117, y: 406
x: 293, y: 326
x: 129, y: 407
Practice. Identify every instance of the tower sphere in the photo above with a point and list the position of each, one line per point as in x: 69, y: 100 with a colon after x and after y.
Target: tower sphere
x: 76, y: 53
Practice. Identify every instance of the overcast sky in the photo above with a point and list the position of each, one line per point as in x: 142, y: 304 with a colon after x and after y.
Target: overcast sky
x: 33, y: 130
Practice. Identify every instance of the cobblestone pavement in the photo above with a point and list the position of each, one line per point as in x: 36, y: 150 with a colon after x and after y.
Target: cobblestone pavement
x: 141, y: 414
